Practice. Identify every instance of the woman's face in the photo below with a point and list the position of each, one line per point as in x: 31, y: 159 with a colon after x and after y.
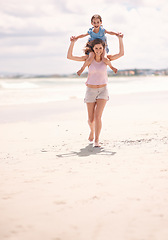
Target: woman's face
x: 98, y: 49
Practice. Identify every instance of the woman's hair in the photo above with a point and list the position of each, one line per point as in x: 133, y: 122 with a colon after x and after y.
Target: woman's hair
x: 90, y: 45
x: 96, y: 16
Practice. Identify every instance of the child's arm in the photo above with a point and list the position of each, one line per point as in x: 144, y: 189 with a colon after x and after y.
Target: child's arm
x: 113, y: 33
x: 70, y: 53
x: 79, y: 36
x: 121, y: 49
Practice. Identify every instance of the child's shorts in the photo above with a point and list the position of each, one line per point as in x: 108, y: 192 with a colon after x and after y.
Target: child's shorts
x: 92, y: 94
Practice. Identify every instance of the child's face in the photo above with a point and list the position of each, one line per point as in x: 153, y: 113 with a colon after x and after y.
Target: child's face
x: 96, y: 23
x: 98, y: 49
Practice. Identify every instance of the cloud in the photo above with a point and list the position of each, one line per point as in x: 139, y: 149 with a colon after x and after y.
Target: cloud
x: 41, y: 29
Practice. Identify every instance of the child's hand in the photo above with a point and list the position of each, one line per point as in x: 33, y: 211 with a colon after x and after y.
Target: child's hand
x: 73, y: 38
x: 120, y: 35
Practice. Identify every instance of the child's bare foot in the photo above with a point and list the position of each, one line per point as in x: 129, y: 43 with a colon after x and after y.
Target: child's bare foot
x: 109, y: 57
x: 114, y: 69
x: 80, y: 71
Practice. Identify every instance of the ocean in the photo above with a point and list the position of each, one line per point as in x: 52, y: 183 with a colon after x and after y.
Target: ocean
x: 43, y: 90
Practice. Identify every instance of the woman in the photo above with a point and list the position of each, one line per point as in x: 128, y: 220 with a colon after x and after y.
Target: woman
x: 96, y: 92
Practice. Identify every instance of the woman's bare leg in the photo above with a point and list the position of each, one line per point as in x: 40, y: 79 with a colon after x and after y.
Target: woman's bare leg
x: 91, y: 110
x: 100, y: 104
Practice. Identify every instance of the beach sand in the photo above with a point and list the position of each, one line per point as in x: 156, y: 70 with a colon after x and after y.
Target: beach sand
x: 54, y: 185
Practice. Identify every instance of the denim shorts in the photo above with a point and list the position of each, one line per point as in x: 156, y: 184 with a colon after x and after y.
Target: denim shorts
x: 92, y: 94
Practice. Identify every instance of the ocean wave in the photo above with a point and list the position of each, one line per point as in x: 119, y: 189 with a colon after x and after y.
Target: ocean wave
x: 18, y: 85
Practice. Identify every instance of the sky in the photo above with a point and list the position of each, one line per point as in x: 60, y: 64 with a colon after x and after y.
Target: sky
x: 35, y: 34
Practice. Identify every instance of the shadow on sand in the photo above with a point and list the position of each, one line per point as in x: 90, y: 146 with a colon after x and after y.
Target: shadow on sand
x: 87, y: 151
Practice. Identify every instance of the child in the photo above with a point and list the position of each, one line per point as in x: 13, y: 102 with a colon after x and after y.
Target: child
x: 97, y: 31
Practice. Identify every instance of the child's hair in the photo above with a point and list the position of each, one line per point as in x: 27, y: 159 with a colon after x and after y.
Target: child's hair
x: 90, y: 45
x: 96, y: 16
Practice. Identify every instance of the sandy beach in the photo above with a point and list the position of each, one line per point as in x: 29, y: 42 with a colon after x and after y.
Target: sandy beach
x: 54, y: 185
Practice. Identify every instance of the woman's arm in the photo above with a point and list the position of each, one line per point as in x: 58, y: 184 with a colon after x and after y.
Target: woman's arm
x: 70, y: 53
x: 121, y: 50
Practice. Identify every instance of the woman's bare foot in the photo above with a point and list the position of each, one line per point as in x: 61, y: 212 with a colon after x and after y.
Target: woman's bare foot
x: 91, y: 136
x: 96, y: 144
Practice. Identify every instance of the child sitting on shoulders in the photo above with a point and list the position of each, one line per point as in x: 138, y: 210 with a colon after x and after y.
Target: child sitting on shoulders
x: 97, y: 31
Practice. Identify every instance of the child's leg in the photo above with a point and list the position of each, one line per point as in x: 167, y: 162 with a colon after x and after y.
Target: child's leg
x: 112, y: 68
x: 86, y: 63
x: 107, y: 61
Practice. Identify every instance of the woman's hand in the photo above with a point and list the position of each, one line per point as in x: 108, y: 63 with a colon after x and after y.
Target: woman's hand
x: 119, y: 34
x: 73, y: 38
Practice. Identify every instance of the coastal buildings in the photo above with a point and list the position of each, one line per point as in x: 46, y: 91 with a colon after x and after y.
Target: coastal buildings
x: 124, y: 72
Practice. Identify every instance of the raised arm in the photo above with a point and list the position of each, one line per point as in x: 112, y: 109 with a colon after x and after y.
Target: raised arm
x: 79, y: 36
x: 121, y: 49
x: 111, y: 33
x: 70, y: 53
x: 82, y: 35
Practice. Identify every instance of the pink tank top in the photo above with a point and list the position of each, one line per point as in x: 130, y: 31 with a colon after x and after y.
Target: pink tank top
x: 97, y: 73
